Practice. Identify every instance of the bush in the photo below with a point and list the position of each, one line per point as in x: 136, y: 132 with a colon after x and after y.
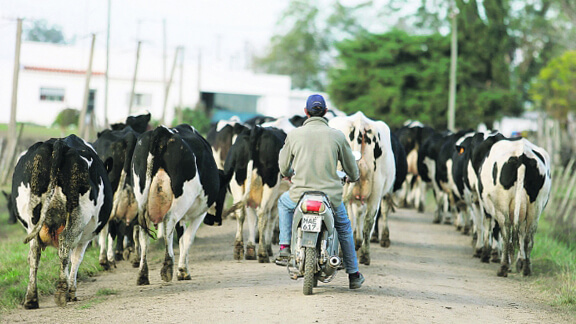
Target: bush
x: 197, y: 118
x: 66, y: 118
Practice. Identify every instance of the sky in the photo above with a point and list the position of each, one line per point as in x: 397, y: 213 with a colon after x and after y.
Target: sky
x: 223, y: 29
x: 219, y: 27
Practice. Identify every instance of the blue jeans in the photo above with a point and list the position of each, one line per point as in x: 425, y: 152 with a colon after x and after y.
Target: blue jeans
x: 286, y: 209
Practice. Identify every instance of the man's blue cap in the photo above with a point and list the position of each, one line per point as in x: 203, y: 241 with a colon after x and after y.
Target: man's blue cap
x: 315, y: 103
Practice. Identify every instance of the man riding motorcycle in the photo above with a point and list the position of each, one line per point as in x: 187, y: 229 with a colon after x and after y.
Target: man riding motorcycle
x: 309, y: 157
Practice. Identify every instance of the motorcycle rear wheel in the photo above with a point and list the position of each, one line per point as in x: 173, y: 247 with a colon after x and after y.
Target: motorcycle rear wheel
x: 309, y: 267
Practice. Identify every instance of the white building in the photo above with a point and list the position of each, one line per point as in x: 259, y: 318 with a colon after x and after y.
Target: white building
x: 52, y: 77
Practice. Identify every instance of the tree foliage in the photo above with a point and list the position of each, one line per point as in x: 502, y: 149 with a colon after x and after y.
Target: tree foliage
x: 555, y: 88
x: 41, y: 32
x: 305, y: 50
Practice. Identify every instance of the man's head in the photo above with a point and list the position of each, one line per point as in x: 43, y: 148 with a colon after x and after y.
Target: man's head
x: 315, y: 106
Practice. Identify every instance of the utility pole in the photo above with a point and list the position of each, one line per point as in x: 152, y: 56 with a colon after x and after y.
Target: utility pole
x: 134, y: 78
x: 167, y: 89
x: 453, y: 61
x: 199, y: 84
x: 13, y: 138
x: 107, y: 76
x: 180, y: 107
x: 82, y: 132
x: 164, y: 56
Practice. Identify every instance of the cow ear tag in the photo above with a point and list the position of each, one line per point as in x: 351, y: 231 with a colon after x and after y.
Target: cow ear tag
x: 461, y: 150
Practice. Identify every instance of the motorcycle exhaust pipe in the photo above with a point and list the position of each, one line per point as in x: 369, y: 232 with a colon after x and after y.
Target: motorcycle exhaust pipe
x: 334, y: 262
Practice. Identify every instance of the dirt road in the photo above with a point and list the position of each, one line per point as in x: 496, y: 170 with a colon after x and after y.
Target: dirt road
x: 428, y: 275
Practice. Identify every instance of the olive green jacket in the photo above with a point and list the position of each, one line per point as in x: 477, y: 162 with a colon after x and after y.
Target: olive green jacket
x: 310, y: 156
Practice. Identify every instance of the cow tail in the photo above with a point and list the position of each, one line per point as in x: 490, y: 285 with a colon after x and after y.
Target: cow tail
x: 518, y: 202
x: 57, y: 154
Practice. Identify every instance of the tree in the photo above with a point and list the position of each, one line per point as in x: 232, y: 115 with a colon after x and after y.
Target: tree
x: 305, y: 50
x: 554, y: 90
x: 396, y: 76
x: 40, y: 32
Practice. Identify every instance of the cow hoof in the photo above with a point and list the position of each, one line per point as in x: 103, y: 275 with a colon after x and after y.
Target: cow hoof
x: 61, y: 298
x: 250, y: 252
x: 527, y: 268
x: 503, y: 272
x: 436, y: 221
x: 447, y: 221
x: 263, y: 258
x: 166, y: 272
x: 142, y: 280
x: 385, y: 243
x: 459, y: 227
x: 183, y: 274
x: 466, y: 230
x: 495, y: 257
x: 118, y: 256
x: 105, y: 264
x: 135, y: 263
x: 421, y: 208
x: 31, y: 303
x: 363, y: 258
x: 477, y: 253
x: 238, y: 251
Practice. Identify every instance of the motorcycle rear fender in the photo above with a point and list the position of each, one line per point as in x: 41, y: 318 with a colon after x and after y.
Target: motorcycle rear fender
x: 309, y: 239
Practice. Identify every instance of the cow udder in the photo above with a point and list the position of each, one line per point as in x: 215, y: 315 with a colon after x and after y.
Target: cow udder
x: 160, y: 197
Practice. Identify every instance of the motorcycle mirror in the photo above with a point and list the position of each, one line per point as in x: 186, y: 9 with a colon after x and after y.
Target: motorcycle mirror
x: 357, y: 155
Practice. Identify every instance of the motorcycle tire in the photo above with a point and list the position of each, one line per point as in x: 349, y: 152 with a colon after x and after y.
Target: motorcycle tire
x: 309, y: 267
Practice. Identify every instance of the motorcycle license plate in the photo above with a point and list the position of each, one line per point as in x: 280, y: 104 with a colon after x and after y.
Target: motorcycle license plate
x: 311, y: 223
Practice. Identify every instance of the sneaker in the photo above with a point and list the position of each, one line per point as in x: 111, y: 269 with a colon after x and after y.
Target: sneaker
x: 283, y: 257
x: 356, y: 280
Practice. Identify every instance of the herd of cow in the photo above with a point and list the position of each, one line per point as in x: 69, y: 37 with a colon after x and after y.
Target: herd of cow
x: 134, y: 183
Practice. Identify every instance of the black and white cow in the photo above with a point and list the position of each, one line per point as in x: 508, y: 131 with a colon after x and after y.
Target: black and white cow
x: 377, y: 169
x: 115, y: 148
x: 62, y: 196
x: 255, y: 183
x: 381, y: 232
x: 445, y: 181
x: 427, y: 157
x: 514, y: 183
x: 412, y: 135
x: 466, y: 183
x: 221, y: 136
x: 175, y: 180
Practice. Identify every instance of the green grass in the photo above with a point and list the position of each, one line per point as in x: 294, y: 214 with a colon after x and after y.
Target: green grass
x: 14, y: 268
x: 554, y: 265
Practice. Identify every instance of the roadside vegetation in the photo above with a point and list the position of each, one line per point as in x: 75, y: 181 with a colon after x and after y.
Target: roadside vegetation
x: 14, y: 267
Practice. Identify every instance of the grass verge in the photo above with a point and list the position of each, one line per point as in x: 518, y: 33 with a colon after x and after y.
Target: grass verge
x: 14, y: 268
x: 554, y: 264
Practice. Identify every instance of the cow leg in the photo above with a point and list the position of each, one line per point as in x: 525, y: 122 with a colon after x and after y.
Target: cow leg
x: 167, y: 270
x: 269, y: 231
x: 364, y: 251
x: 262, y: 224
x: 251, y: 217
x: 76, y: 259
x: 487, y: 238
x: 143, y: 278
x: 31, y: 299
x: 119, y: 234
x: 478, y: 217
x: 357, y: 225
x: 103, y: 260
x: 528, y: 244
x: 239, y: 240
x: 420, y: 195
x: 384, y: 231
x: 66, y: 237
x: 185, y: 243
x: 496, y: 243
x: 135, y: 249
x: 506, y: 232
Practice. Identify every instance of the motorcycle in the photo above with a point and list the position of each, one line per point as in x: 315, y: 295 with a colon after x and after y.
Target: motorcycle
x: 315, y: 246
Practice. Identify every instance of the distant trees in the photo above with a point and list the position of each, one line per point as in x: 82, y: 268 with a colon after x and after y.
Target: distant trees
x: 554, y: 90
x: 41, y: 32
